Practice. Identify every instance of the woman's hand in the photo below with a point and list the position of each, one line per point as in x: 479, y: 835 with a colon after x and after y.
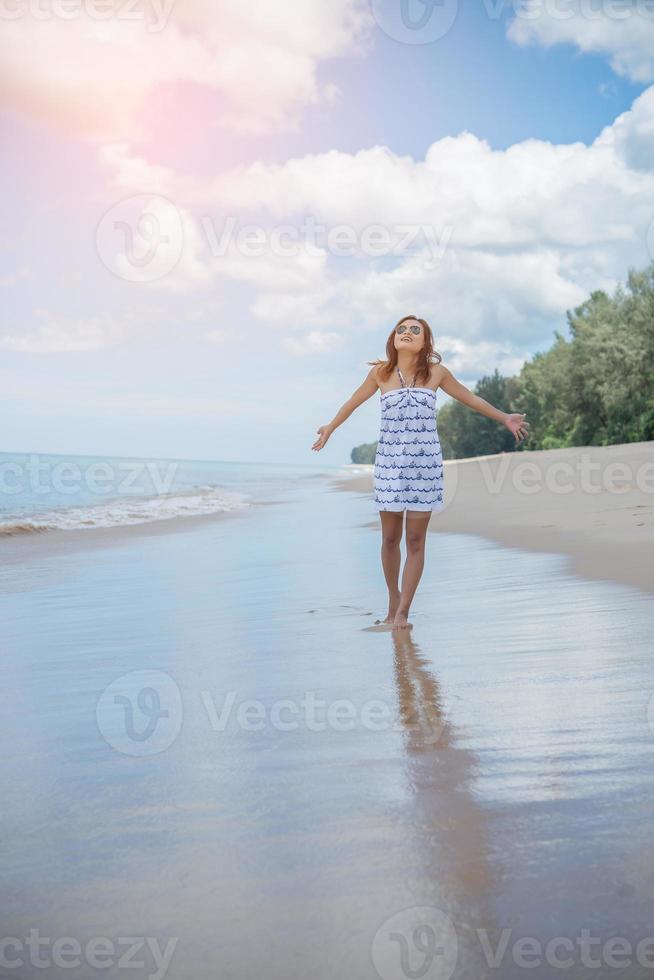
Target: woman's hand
x: 324, y: 433
x: 516, y: 424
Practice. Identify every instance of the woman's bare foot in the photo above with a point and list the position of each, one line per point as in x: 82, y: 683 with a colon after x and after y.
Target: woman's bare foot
x: 401, y: 621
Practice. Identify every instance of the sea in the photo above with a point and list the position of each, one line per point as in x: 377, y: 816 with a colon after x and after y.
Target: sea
x: 40, y: 492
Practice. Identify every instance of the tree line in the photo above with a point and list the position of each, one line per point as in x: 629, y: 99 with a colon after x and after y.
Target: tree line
x: 594, y: 389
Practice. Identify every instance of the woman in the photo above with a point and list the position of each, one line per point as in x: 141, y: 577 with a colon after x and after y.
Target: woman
x: 408, y: 473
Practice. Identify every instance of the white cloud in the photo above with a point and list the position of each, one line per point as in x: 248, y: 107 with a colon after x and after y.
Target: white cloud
x: 58, y: 333
x: 480, y: 359
x: 92, y: 76
x: 622, y: 32
x: 300, y: 306
x: 527, y: 232
x: 632, y: 134
x: 61, y: 334
x: 130, y: 174
x: 148, y: 239
x: 312, y: 342
x: 200, y: 246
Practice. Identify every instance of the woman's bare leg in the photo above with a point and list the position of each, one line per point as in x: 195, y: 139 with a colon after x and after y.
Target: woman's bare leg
x: 417, y: 523
x: 391, y: 522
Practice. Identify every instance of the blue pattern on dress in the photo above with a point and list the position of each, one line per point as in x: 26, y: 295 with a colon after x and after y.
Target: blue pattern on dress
x: 408, y: 471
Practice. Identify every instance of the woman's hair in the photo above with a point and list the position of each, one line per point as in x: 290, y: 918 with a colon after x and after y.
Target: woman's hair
x: 426, y: 355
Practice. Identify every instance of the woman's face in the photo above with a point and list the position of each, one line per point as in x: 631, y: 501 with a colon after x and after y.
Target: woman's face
x: 409, y: 335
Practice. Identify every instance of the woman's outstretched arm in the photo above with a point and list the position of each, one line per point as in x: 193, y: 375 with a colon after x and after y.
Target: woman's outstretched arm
x: 514, y: 422
x: 365, y: 391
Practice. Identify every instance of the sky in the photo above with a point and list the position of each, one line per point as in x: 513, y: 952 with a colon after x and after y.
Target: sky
x: 215, y: 212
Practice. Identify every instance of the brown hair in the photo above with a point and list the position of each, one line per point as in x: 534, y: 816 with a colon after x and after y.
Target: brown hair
x: 426, y: 356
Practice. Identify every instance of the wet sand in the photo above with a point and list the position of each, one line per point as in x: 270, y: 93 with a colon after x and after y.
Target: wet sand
x: 373, y: 803
x: 593, y: 504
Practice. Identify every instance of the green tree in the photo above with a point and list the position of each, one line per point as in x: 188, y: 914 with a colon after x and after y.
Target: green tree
x: 364, y: 453
x: 464, y: 432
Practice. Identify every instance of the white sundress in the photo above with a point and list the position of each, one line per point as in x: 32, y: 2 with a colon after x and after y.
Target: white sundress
x: 408, y: 473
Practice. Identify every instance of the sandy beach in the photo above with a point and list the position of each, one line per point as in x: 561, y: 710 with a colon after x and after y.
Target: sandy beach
x: 594, y: 504
x: 211, y: 747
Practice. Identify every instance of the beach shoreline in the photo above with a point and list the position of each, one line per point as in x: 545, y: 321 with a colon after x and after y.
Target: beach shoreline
x: 593, y: 504
x: 25, y: 546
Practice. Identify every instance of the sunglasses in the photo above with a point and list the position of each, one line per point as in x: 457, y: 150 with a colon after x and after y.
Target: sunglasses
x: 414, y: 328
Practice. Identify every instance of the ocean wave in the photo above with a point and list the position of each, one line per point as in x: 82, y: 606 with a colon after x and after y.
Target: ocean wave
x: 7, y: 529
x: 125, y: 511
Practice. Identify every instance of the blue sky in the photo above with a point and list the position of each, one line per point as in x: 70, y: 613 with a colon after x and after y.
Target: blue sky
x: 525, y: 142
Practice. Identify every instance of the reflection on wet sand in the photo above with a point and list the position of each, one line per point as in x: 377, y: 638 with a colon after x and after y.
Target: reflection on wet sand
x: 452, y: 853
